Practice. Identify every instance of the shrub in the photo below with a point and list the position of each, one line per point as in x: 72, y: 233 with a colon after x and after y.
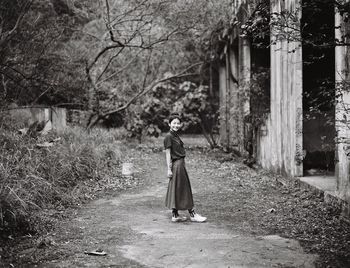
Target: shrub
x: 195, y: 102
x: 34, y: 179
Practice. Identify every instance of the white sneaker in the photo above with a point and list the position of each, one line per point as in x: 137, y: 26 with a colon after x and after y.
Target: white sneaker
x: 197, y: 218
x: 178, y: 218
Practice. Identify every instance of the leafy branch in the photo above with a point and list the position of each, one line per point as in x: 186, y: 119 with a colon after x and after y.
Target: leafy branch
x: 95, y: 118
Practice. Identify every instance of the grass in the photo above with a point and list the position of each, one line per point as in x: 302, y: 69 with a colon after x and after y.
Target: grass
x: 36, y: 182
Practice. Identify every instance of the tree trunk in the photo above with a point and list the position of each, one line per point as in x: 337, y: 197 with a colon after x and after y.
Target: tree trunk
x: 207, y: 136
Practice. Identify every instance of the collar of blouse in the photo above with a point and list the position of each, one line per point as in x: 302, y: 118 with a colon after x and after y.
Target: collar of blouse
x: 175, y: 134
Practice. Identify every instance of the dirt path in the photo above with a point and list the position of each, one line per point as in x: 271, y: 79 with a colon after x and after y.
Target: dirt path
x: 135, y: 230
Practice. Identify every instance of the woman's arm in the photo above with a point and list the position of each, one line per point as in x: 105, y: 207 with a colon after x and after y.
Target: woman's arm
x: 168, y: 162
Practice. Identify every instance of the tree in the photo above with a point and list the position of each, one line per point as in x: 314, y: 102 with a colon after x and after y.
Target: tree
x: 108, y: 54
x: 36, y: 66
x: 145, y: 40
x: 192, y: 101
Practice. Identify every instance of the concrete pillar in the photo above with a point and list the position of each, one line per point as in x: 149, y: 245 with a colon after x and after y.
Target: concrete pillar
x: 342, y: 75
x: 59, y: 118
x: 230, y: 102
x: 40, y: 114
x: 280, y: 144
x: 296, y: 85
x: 234, y: 111
x: 244, y: 87
x: 222, y: 109
x: 245, y: 73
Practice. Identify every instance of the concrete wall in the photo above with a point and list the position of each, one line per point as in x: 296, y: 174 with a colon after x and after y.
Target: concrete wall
x: 59, y: 118
x: 342, y: 74
x: 234, y: 104
x: 26, y: 116
x: 280, y: 140
x: 235, y: 108
x: 223, y: 107
x: 230, y: 102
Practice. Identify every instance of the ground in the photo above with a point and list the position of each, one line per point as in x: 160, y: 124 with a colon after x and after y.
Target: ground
x: 254, y: 220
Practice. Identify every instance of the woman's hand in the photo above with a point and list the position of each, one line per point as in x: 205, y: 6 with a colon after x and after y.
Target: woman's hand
x: 170, y: 174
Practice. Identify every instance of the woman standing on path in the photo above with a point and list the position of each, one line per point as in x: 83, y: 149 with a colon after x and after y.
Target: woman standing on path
x: 179, y: 194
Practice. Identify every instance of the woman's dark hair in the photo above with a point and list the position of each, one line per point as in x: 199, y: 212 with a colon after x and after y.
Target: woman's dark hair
x: 174, y: 116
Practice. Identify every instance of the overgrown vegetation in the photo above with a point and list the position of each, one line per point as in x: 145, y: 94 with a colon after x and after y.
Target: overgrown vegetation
x: 197, y: 106
x: 107, y: 55
x: 102, y: 56
x: 38, y: 62
x: 36, y: 180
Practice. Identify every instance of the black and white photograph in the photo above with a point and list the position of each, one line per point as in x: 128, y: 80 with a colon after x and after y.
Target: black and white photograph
x: 175, y: 133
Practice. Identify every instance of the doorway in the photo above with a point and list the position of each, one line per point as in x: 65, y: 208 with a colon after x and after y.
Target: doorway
x: 318, y: 87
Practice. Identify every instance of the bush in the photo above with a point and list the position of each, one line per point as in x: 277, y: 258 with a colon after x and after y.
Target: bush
x: 195, y: 102
x: 34, y: 179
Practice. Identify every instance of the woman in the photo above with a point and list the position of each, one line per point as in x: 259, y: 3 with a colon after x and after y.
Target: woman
x: 179, y: 194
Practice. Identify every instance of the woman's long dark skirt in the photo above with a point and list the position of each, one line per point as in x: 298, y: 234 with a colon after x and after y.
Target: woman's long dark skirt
x: 179, y: 194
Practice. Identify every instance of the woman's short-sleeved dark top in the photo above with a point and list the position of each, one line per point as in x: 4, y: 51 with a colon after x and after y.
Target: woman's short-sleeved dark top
x: 173, y: 142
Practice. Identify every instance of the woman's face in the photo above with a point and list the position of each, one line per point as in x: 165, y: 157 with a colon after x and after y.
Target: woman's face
x: 175, y: 124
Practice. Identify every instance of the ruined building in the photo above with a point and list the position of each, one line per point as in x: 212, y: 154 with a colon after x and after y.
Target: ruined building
x: 284, y: 88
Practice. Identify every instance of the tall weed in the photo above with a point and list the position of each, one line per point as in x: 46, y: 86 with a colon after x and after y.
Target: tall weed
x: 33, y: 179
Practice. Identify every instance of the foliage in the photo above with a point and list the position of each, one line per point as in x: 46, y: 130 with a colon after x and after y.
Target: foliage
x: 199, y: 108
x: 292, y: 25
x: 35, y: 181
x: 259, y: 98
x: 258, y: 25
x: 260, y: 102
x: 168, y: 37
x: 300, y: 24
x: 36, y: 64
x: 193, y: 102
x: 101, y: 55
x: 138, y: 127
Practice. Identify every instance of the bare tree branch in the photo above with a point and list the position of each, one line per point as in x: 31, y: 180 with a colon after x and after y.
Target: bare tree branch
x: 5, y: 37
x: 146, y: 72
x: 144, y: 90
x: 42, y: 94
x: 109, y: 63
x: 120, y: 70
